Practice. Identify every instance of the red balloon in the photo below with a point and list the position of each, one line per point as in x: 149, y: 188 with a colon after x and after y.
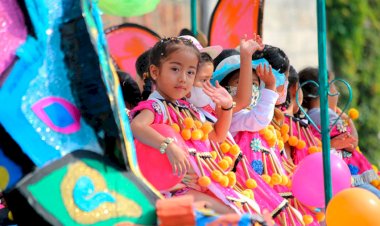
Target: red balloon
x: 155, y: 166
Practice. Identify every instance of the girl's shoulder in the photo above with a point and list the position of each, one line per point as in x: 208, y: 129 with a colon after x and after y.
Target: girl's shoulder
x: 152, y: 105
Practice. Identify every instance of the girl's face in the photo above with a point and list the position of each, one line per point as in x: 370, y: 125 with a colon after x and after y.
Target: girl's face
x: 234, y: 80
x: 204, y: 74
x: 175, y: 77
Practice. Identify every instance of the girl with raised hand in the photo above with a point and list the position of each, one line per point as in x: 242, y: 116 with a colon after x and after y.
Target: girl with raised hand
x: 173, y: 66
x: 249, y: 181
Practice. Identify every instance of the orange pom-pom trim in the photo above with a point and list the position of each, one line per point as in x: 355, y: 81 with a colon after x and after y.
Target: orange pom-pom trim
x: 307, y: 219
x: 176, y: 128
x: 313, y: 149
x: 216, y: 175
x: 186, y: 134
x: 284, y: 129
x: 301, y: 144
x: 266, y: 178
x: 198, y: 124
x: 276, y: 179
x: 197, y: 134
x: 353, y: 113
x: 293, y: 141
x: 234, y: 150
x: 225, y: 147
x: 320, y: 216
x: 251, y: 183
x: 188, y: 123
x: 223, y: 164
x: 204, y: 181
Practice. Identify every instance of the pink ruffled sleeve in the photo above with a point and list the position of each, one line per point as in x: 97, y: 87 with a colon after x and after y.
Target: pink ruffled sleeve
x: 150, y: 105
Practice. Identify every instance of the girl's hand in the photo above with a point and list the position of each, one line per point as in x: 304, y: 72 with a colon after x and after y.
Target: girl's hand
x: 218, y: 94
x: 266, y: 75
x: 178, y: 159
x: 248, y: 47
x: 344, y: 141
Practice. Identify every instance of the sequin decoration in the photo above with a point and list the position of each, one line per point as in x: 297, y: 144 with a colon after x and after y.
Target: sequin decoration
x: 258, y: 166
x: 96, y: 202
x: 255, y: 144
x: 58, y: 114
x: 353, y: 169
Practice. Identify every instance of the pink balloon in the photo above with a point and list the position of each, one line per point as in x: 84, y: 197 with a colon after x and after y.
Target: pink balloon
x: 155, y: 166
x: 308, y: 184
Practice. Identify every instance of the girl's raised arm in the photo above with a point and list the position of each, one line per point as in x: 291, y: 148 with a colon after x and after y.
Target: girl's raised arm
x: 244, y: 88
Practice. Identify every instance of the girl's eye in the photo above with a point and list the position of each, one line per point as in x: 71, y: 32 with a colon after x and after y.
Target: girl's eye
x: 175, y: 69
x: 191, y: 72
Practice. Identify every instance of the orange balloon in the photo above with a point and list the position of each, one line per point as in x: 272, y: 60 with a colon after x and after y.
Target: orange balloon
x: 353, y: 206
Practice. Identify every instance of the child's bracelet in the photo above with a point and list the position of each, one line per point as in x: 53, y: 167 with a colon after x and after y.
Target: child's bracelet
x: 230, y: 108
x: 164, y: 145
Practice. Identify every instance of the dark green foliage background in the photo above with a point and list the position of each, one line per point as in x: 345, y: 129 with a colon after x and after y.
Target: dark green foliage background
x: 354, y: 38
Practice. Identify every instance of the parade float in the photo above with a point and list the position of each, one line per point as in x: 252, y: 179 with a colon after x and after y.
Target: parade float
x: 67, y: 155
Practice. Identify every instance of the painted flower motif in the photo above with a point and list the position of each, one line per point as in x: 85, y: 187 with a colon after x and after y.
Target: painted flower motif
x: 353, y: 169
x: 258, y: 166
x: 157, y: 108
x: 255, y: 144
x: 346, y: 154
x: 341, y: 127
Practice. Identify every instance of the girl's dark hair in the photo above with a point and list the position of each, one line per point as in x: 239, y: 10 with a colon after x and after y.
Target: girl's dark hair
x: 166, y: 46
x: 293, y: 81
x: 205, y: 57
x: 147, y: 89
x: 142, y: 64
x: 223, y: 55
x: 275, y: 56
x: 130, y: 89
x: 310, y: 91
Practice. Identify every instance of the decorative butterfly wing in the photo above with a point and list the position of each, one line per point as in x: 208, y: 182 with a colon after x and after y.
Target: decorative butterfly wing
x: 232, y: 19
x: 127, y: 42
x: 12, y: 32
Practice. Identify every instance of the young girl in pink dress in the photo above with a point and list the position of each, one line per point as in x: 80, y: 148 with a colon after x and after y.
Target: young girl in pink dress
x: 265, y: 196
x: 173, y: 66
x: 259, y: 148
x: 344, y: 138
